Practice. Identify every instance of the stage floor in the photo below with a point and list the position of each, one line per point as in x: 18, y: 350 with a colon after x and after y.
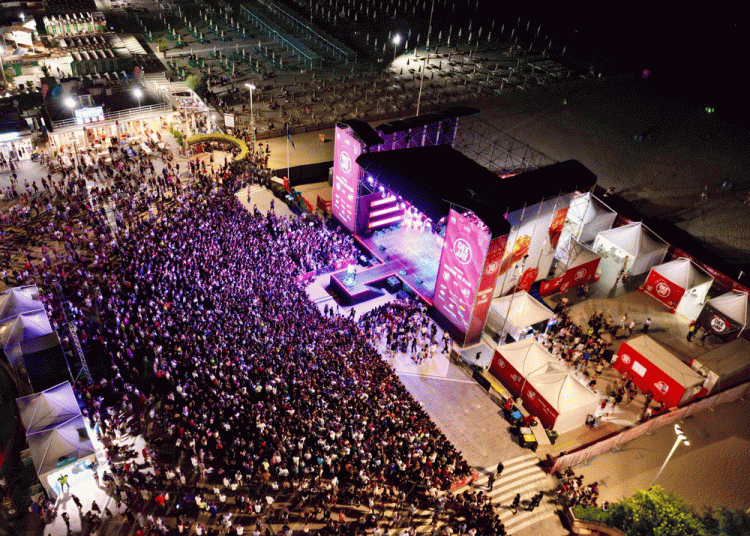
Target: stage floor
x: 417, y: 255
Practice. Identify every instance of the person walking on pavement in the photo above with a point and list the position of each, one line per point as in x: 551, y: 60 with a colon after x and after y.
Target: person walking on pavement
x: 500, y: 468
x: 66, y: 519
x: 646, y: 325
x: 691, y: 330
x: 534, y: 502
x: 491, y: 481
x: 63, y: 480
x: 77, y: 502
x: 631, y: 327
x: 516, y: 502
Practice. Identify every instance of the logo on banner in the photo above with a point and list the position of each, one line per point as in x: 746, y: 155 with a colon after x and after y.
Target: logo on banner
x: 662, y: 387
x: 625, y: 358
x: 345, y: 161
x: 580, y: 274
x: 516, y: 378
x: 718, y: 324
x: 492, y: 268
x: 662, y: 289
x: 531, y: 395
x: 501, y: 363
x: 462, y: 251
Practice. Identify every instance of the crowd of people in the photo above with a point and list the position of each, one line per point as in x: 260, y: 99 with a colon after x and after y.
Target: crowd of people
x: 248, y: 395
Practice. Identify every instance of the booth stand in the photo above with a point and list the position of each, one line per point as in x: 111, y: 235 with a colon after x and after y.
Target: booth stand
x: 680, y: 285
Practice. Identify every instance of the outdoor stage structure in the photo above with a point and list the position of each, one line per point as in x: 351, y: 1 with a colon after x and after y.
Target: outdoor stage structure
x: 440, y: 224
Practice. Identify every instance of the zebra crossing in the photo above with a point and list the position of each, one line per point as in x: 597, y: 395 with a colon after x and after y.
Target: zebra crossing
x: 520, y: 475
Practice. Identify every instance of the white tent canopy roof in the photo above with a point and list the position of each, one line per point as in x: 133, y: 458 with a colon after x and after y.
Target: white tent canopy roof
x: 49, y: 446
x: 524, y: 310
x: 528, y: 356
x: 19, y: 300
x: 562, y: 391
x: 683, y: 272
x: 633, y: 239
x: 733, y: 304
x: 22, y: 328
x: 51, y: 407
x: 666, y: 361
x: 586, y: 207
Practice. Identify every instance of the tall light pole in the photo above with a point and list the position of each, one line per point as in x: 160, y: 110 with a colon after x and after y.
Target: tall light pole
x: 251, y: 87
x: 421, y: 80
x: 70, y: 102
x: 2, y: 68
x: 396, y: 42
x: 138, y: 92
x: 681, y: 438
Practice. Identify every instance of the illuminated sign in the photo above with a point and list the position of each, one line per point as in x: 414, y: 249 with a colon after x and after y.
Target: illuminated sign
x: 345, y: 178
x: 88, y: 115
x: 9, y: 136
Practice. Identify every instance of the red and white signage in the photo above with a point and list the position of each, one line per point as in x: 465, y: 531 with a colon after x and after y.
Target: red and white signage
x: 486, y: 287
x: 648, y: 377
x: 511, y: 379
x: 462, y: 264
x: 538, y: 406
x: 663, y: 289
x: 345, y: 178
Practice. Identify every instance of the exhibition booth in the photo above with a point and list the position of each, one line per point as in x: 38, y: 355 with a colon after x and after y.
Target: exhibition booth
x: 655, y: 370
x: 632, y: 246
x: 725, y: 316
x: 680, y: 285
x: 558, y: 400
x: 516, y: 315
x: 587, y: 217
x: 513, y: 362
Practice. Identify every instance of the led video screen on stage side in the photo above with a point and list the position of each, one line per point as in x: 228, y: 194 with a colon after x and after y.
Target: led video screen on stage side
x: 461, y: 266
x: 345, y: 178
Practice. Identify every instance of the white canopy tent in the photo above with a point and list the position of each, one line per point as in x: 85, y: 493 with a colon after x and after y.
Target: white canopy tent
x: 680, y: 285
x: 635, y: 241
x: 734, y: 306
x: 559, y: 400
x: 59, y: 446
x: 48, y: 408
x: 20, y: 328
x: 588, y: 216
x: 513, y: 314
x: 513, y: 362
x: 19, y: 300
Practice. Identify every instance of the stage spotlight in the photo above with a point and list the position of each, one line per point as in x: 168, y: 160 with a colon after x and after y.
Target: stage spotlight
x: 381, y: 188
x: 370, y: 180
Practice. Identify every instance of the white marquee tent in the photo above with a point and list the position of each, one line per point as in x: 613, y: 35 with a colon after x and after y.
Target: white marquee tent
x: 19, y: 300
x: 680, y: 285
x: 48, y: 408
x: 635, y: 241
x: 588, y: 217
x: 514, y: 313
x: 513, y: 362
x: 20, y: 328
x: 55, y: 447
x: 559, y: 400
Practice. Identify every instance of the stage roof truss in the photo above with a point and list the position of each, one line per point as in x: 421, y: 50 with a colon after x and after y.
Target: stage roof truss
x: 496, y: 150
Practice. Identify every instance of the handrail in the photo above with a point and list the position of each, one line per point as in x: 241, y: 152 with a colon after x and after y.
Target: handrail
x: 115, y: 115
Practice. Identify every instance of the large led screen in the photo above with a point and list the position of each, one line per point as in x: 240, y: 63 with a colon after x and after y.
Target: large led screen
x: 461, y: 266
x: 345, y: 178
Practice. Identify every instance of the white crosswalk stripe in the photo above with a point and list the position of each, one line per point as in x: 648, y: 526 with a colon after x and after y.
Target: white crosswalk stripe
x: 520, y: 475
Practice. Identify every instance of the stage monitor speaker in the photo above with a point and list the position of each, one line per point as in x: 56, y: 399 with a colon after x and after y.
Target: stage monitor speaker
x: 393, y: 284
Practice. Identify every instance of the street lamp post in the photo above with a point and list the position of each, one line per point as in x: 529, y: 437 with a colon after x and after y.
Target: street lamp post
x: 421, y: 80
x: 396, y: 42
x: 2, y: 68
x: 138, y: 92
x: 251, y: 87
x: 681, y: 438
x: 70, y: 102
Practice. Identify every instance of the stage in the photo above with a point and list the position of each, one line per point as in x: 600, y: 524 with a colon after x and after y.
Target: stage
x: 410, y: 255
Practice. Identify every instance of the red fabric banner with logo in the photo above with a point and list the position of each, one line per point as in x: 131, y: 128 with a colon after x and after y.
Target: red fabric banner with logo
x: 547, y: 288
x: 663, y: 289
x: 538, y: 406
x: 648, y: 377
x: 495, y: 253
x: 578, y: 275
x: 507, y: 374
x: 527, y: 279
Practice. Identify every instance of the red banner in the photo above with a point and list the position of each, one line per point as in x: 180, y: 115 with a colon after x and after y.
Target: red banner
x: 520, y: 248
x: 555, y: 229
x: 528, y: 277
x: 663, y: 289
x: 538, y: 406
x: 578, y: 275
x: 486, y: 288
x: 507, y: 374
x: 286, y: 185
x: 648, y: 377
x: 547, y: 288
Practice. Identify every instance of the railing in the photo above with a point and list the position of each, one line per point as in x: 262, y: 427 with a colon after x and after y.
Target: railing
x: 310, y: 58
x: 119, y: 115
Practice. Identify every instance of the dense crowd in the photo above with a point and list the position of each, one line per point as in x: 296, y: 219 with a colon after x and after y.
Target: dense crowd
x: 246, y: 392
